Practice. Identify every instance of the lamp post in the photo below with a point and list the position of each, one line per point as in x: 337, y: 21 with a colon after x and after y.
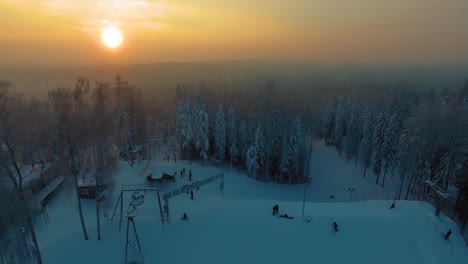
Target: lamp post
x: 351, y: 190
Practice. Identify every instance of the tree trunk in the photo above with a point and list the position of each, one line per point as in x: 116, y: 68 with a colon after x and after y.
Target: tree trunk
x: 98, y: 216
x: 19, y: 188
x: 37, y: 252
x: 74, y: 171
x: 409, y: 186
x: 80, y: 209
x: 366, y: 165
x: 402, y: 180
x: 384, y: 176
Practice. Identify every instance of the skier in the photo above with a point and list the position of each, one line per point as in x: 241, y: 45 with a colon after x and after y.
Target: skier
x: 335, y: 227
x: 191, y: 194
x: 275, y: 209
x: 286, y: 216
x: 447, y: 235
x: 184, y: 216
x: 393, y: 205
x: 190, y: 175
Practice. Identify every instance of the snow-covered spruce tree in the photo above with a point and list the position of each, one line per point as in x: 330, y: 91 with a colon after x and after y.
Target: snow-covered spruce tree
x: 187, y: 127
x: 341, y: 122
x: 297, y: 147
x: 201, y: 129
x: 220, y: 134
x: 275, y: 145
x: 184, y: 122
x: 378, y: 141
x: 179, y: 114
x: 328, y: 117
x: 243, y: 141
x: 291, y: 163
x: 149, y: 132
x: 256, y: 153
x: 353, y: 137
x: 367, y: 122
x: 405, y: 158
x: 123, y: 126
x: 390, y: 143
x: 231, y: 125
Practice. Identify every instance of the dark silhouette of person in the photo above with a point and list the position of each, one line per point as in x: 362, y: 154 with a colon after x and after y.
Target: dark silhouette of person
x: 190, y: 175
x: 447, y: 235
x: 335, y: 227
x: 393, y: 205
x: 286, y: 216
x: 275, y: 209
x: 191, y: 194
x: 184, y: 216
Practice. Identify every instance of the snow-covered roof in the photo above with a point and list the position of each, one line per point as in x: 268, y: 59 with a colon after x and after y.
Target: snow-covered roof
x: 48, y: 189
x: 32, y: 173
x: 86, y: 180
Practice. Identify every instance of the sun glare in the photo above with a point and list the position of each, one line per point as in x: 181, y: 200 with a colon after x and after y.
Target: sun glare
x: 111, y: 37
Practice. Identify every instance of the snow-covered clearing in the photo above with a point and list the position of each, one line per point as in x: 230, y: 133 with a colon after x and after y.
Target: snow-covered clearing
x: 238, y: 226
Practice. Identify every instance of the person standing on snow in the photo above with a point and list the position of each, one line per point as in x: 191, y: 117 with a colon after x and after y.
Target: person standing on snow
x: 275, y: 210
x: 335, y: 227
x: 447, y: 235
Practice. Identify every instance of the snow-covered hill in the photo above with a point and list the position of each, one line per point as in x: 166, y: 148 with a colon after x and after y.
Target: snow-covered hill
x: 237, y: 226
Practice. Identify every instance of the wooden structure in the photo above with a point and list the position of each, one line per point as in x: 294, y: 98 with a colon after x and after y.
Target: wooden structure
x: 90, y: 190
x: 164, y: 178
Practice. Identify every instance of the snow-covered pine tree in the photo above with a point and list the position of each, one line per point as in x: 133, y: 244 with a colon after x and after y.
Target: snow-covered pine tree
x: 341, y: 122
x: 149, y: 132
x: 275, y: 145
x: 201, y: 129
x: 390, y: 143
x: 220, y: 134
x: 243, y: 141
x: 367, y: 121
x: 184, y: 121
x: 378, y: 141
x: 353, y: 137
x: 179, y: 115
x: 328, y: 117
x: 123, y: 125
x: 405, y: 158
x: 187, y: 126
x: 292, y: 154
x: 256, y: 153
x: 295, y: 142
x: 231, y: 125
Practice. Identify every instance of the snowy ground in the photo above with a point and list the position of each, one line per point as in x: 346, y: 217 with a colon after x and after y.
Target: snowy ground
x: 237, y: 226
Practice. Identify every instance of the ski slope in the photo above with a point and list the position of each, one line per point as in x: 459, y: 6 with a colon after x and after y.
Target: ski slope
x: 237, y: 226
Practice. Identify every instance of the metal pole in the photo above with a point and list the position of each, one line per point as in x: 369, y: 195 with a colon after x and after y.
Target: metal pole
x: 126, y: 242
x: 303, y: 203
x: 115, y: 209
x: 160, y: 209
x: 121, y: 210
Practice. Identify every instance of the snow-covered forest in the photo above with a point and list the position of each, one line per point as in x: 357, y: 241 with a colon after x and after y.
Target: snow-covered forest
x: 419, y: 136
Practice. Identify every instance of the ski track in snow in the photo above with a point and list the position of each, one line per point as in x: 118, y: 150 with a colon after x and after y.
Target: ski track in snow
x: 238, y: 226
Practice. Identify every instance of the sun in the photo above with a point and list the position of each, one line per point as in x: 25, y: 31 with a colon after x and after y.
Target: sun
x: 111, y: 37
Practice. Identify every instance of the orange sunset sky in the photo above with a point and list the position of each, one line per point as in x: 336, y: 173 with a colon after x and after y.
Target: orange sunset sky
x: 331, y: 31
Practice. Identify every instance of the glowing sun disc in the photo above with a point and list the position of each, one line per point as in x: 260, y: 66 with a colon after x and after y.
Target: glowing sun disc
x: 111, y: 37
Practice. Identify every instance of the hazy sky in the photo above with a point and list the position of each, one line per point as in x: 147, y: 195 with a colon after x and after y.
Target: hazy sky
x: 331, y: 31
